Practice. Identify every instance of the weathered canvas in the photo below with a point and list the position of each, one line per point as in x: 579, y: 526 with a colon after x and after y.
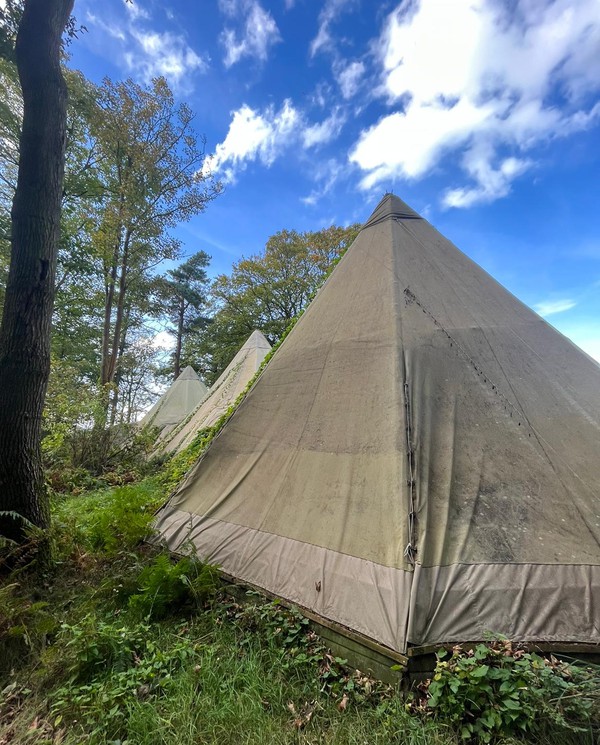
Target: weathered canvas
x: 420, y: 460
x: 222, y: 394
x: 177, y: 402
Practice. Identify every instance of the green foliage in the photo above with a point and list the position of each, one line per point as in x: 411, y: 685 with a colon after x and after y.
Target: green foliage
x: 112, y: 520
x: 27, y: 554
x: 70, y: 404
x: 24, y: 625
x: 110, y: 665
x: 165, y: 587
x: 179, y: 464
x: 497, y: 690
x: 302, y: 653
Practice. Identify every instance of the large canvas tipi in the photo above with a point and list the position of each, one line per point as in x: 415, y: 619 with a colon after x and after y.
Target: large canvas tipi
x: 420, y: 460
x: 223, y: 393
x: 177, y: 401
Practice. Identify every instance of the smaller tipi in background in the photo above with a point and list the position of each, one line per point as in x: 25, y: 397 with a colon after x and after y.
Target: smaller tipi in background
x: 177, y: 402
x: 222, y: 395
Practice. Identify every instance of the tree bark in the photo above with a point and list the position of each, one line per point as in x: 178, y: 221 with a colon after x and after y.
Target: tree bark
x: 25, y: 330
x: 179, y: 341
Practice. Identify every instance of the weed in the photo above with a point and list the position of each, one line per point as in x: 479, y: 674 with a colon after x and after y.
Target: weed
x: 24, y: 626
x: 115, y: 519
x: 497, y: 689
x: 111, y: 665
x: 165, y: 587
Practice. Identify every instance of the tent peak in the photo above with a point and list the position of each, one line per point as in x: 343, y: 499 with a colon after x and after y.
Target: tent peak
x: 188, y: 373
x: 256, y: 340
x: 391, y: 206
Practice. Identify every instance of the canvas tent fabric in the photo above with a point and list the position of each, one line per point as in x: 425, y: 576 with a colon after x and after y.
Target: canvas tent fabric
x: 420, y: 460
x: 177, y: 402
x: 232, y: 381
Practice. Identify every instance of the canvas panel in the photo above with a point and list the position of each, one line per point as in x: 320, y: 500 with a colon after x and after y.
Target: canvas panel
x: 222, y: 395
x: 304, y: 456
x: 366, y: 597
x: 524, y: 602
x: 456, y: 603
x: 177, y: 402
x: 415, y: 385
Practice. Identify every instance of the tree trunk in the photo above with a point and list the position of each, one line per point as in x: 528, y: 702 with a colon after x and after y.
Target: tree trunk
x: 109, y: 291
x: 178, y: 345
x: 25, y: 330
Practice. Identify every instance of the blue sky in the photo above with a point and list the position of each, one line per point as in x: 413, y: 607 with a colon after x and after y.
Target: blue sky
x: 483, y: 115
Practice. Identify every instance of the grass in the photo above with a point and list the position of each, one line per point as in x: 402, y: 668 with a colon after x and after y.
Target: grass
x: 78, y: 665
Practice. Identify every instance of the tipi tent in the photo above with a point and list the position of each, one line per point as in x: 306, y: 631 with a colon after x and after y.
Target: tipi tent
x: 232, y: 381
x: 420, y: 460
x: 177, y: 402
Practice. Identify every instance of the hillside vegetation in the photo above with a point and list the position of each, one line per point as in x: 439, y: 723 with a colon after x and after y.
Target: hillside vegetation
x: 124, y: 644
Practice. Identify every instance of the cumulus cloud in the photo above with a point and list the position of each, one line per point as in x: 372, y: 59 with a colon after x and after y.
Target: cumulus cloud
x: 349, y: 77
x: 475, y: 79
x: 263, y: 136
x: 491, y: 182
x: 253, y: 136
x: 550, y: 307
x: 164, y: 54
x: 151, y: 53
x: 257, y: 34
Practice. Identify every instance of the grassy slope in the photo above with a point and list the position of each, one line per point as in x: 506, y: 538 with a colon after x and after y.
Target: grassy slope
x: 77, y: 665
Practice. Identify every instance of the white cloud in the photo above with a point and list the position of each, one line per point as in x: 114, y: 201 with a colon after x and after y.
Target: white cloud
x: 164, y: 54
x: 151, y: 53
x: 326, y: 173
x: 112, y: 30
x: 325, y: 131
x: 253, y: 136
x: 259, y: 31
x: 163, y: 340
x: 469, y: 77
x: 550, y: 307
x: 135, y: 11
x: 323, y: 41
x: 492, y: 183
x: 349, y: 77
x: 264, y: 136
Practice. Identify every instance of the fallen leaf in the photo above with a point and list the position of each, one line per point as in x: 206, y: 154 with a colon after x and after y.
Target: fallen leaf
x: 343, y: 703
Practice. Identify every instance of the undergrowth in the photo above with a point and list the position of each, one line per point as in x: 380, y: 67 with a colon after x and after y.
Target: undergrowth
x: 499, y: 689
x: 125, y: 644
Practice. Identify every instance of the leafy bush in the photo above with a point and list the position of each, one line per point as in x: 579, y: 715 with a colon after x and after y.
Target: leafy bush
x: 113, y: 520
x: 499, y: 690
x: 108, y: 666
x: 165, y: 587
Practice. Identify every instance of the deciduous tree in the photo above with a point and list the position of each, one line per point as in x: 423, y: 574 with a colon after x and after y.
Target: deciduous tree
x: 151, y: 161
x: 26, y: 321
